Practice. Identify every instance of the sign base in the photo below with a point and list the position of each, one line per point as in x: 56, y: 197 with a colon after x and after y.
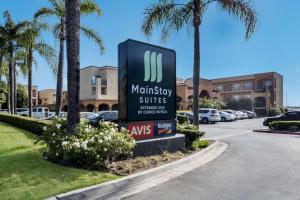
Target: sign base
x: 157, y: 146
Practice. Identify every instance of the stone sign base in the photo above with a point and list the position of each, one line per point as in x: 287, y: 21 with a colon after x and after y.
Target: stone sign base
x: 158, y: 145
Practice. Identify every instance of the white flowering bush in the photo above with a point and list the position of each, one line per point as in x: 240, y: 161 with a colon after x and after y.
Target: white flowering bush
x: 88, y: 147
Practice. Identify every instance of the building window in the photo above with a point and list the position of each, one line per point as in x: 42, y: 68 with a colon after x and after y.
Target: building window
x: 268, y: 83
x: 247, y: 96
x: 34, y: 93
x: 220, y: 88
x: 93, y: 82
x: 93, y: 90
x: 235, y: 87
x: 104, y: 91
x: 236, y: 97
x: 248, y: 85
x: 190, y: 88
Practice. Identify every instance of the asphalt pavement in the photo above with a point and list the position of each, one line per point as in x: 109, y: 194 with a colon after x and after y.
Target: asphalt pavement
x: 256, y: 166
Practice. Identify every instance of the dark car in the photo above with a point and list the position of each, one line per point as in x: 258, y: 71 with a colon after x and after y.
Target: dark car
x: 289, y: 116
x: 111, y: 116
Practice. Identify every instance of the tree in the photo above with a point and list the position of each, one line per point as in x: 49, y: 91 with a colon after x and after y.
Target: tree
x: 22, y: 96
x: 10, y: 32
x: 3, y: 93
x: 31, y: 43
x: 173, y: 16
x: 57, y: 9
x: 211, y: 103
x: 73, y: 59
x: 241, y: 104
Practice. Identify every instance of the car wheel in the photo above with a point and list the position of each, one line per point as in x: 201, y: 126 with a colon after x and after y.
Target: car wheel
x: 223, y: 119
x: 205, y: 120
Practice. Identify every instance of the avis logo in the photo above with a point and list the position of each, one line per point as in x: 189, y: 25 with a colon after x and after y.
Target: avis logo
x: 153, y: 66
x: 141, y: 130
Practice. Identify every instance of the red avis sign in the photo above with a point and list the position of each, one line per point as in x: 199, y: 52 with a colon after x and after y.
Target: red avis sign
x: 140, y: 131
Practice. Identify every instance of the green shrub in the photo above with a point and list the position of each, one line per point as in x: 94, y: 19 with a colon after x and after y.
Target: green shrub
x: 199, y: 144
x: 191, y: 132
x: 89, y: 148
x: 182, y: 119
x: 285, y: 125
x: 29, y: 124
x: 274, y: 112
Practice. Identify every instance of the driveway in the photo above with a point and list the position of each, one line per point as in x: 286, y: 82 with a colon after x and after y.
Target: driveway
x: 256, y: 166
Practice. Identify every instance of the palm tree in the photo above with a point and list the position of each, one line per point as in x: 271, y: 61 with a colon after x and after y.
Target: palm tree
x: 57, y: 9
x: 10, y: 32
x: 31, y: 43
x: 173, y: 16
x: 73, y: 59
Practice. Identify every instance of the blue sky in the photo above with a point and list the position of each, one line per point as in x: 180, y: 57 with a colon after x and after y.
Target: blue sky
x: 275, y: 46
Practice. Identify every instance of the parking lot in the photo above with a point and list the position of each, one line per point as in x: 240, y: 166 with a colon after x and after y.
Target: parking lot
x: 255, y: 166
x: 228, y: 129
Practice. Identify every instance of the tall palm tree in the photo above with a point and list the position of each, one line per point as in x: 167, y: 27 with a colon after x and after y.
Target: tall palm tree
x: 173, y: 16
x: 31, y: 42
x: 10, y: 32
x: 73, y: 59
x: 57, y: 9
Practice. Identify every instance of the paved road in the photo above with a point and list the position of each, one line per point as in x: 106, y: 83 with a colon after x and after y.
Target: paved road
x: 256, y: 166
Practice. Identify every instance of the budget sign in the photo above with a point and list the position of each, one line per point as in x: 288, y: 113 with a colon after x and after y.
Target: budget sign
x: 147, y: 82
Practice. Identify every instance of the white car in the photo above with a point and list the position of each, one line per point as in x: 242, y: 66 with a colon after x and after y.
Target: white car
x: 209, y: 115
x: 38, y: 112
x: 88, y: 115
x: 242, y: 115
x: 226, y: 117
x: 232, y: 113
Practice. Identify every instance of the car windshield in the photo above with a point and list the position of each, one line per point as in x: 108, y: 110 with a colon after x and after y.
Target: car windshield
x: 214, y: 111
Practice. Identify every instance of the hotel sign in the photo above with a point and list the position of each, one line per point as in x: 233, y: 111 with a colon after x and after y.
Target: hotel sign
x: 147, y: 82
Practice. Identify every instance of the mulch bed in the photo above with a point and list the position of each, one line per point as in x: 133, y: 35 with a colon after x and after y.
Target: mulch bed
x: 138, y: 164
x: 277, y: 131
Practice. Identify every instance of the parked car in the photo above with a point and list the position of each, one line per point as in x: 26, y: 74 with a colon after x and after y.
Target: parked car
x: 38, y: 112
x: 288, y: 116
x: 226, y: 117
x: 111, y: 116
x: 19, y: 110
x: 243, y: 114
x: 52, y: 116
x: 189, y: 115
x: 209, y: 115
x: 250, y: 114
x: 232, y: 112
x: 4, y: 110
x: 87, y: 114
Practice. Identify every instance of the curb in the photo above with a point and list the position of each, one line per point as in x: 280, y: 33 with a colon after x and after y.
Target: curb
x: 138, y: 182
x: 276, y: 132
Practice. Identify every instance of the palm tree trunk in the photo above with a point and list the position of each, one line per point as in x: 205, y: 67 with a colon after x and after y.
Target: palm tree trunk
x: 196, y: 73
x: 72, y: 8
x: 30, y: 83
x: 11, y: 80
x: 60, y: 67
x: 15, y: 88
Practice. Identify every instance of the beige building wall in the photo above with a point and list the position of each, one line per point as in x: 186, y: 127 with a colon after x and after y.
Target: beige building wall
x: 98, y: 88
x: 264, y: 89
x: 47, y: 97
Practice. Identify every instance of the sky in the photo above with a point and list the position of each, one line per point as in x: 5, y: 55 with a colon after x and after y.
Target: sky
x: 224, y: 51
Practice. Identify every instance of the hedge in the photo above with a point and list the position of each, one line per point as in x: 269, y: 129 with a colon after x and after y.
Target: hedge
x: 191, y: 135
x: 285, y: 125
x: 182, y: 119
x: 29, y: 124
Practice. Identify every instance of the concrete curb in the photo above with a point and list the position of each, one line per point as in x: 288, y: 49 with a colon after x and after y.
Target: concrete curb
x: 276, y: 132
x: 138, y: 182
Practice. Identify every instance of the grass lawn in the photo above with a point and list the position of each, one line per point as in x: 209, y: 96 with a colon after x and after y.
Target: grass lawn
x: 25, y: 175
